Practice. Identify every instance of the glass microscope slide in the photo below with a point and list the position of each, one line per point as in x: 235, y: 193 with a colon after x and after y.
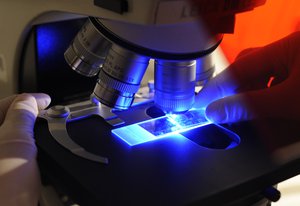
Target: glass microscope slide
x: 157, y: 128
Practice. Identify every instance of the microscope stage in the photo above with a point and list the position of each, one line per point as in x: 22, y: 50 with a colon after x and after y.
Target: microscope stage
x: 208, y: 165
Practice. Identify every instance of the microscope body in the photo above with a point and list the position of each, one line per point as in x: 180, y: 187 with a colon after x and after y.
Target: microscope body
x: 170, y: 32
x: 16, y: 25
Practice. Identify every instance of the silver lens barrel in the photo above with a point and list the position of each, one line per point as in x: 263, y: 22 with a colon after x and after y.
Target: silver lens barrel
x: 120, y: 53
x: 120, y: 77
x: 174, y: 85
x: 88, y: 50
x: 205, y: 69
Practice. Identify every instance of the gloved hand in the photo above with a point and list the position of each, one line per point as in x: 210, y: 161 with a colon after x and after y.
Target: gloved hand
x: 19, y: 175
x: 241, y: 93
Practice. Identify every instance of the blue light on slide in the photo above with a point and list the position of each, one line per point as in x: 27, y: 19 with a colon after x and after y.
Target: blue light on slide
x: 160, y: 127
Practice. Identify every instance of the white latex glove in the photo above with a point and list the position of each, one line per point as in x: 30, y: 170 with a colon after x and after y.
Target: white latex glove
x: 19, y: 175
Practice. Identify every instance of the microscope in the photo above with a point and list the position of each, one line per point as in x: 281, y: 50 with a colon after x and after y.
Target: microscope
x: 124, y: 143
x: 120, y: 52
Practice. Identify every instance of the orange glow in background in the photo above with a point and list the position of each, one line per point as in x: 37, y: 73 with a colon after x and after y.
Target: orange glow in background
x: 268, y: 23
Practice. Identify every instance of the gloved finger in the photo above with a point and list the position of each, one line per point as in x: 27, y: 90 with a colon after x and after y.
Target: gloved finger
x: 262, y: 104
x: 42, y: 100
x: 22, y: 112
x: 29, y: 102
x: 219, y: 87
x: 253, y: 70
x: 230, y: 109
x: 4, y: 105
